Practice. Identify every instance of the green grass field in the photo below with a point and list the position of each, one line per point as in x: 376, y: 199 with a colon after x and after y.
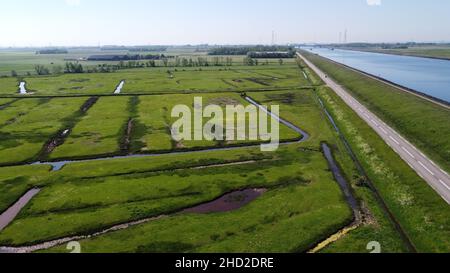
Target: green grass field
x: 9, y: 86
x: 74, y: 199
x: 27, y: 125
x: 161, y: 80
x: 99, y: 131
x: 76, y: 206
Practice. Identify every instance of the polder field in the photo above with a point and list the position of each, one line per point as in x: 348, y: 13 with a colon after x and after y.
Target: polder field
x: 107, y: 173
x: 160, y: 80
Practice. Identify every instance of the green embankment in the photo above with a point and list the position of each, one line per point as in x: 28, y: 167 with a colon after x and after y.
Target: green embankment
x: 422, y: 213
x: 424, y: 123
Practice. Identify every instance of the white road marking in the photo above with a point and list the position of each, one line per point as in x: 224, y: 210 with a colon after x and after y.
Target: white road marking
x: 445, y: 185
x: 393, y: 139
x: 374, y: 122
x: 408, y: 152
x: 384, y: 131
x: 425, y: 167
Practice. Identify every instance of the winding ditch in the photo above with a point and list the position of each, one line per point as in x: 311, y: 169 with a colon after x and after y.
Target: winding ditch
x: 349, y: 197
x: 396, y: 224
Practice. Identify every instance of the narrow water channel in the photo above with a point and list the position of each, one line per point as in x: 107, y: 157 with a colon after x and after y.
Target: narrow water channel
x: 22, y: 88
x: 10, y: 214
x: 119, y: 87
x: 340, y: 179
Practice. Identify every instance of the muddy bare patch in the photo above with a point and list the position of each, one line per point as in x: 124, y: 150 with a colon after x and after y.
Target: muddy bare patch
x: 229, y: 202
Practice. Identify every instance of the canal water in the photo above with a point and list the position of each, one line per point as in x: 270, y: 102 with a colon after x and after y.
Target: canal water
x: 429, y: 76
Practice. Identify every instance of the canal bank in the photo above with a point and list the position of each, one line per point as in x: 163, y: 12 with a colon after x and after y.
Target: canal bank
x: 425, y: 78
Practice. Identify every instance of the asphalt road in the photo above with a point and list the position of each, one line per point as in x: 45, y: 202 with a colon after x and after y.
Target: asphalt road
x: 437, y: 178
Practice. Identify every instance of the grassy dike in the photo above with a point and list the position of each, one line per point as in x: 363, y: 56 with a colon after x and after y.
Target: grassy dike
x: 423, y: 215
x: 424, y: 123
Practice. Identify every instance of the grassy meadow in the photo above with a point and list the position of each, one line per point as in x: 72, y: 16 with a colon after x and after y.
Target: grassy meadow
x: 26, y: 126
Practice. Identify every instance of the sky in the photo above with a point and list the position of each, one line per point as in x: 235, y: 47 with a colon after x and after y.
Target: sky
x: 167, y: 22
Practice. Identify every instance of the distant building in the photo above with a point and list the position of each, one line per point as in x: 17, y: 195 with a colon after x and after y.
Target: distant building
x: 272, y: 54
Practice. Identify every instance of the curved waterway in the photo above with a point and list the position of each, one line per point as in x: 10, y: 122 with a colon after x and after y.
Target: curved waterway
x: 10, y: 214
x: 428, y: 76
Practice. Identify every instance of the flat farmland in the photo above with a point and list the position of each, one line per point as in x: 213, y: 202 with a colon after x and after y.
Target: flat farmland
x: 73, y: 84
x: 80, y: 206
x: 161, y: 80
x: 155, y: 192
x: 98, y: 132
x: 9, y: 86
x: 226, y: 79
x: 24, y: 61
x: 86, y: 197
x: 5, y: 102
x: 153, y: 123
x: 26, y: 126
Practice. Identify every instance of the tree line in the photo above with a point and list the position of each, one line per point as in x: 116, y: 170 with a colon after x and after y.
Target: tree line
x: 76, y: 67
x: 236, y: 50
x: 128, y: 57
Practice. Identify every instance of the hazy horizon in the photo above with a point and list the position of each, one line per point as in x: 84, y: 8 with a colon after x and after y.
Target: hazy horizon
x: 30, y: 23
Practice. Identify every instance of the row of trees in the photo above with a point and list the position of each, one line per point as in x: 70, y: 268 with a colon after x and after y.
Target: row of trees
x: 128, y: 57
x: 244, y: 50
x: 251, y: 61
x: 75, y: 67
x: 272, y: 55
x: 52, y: 51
